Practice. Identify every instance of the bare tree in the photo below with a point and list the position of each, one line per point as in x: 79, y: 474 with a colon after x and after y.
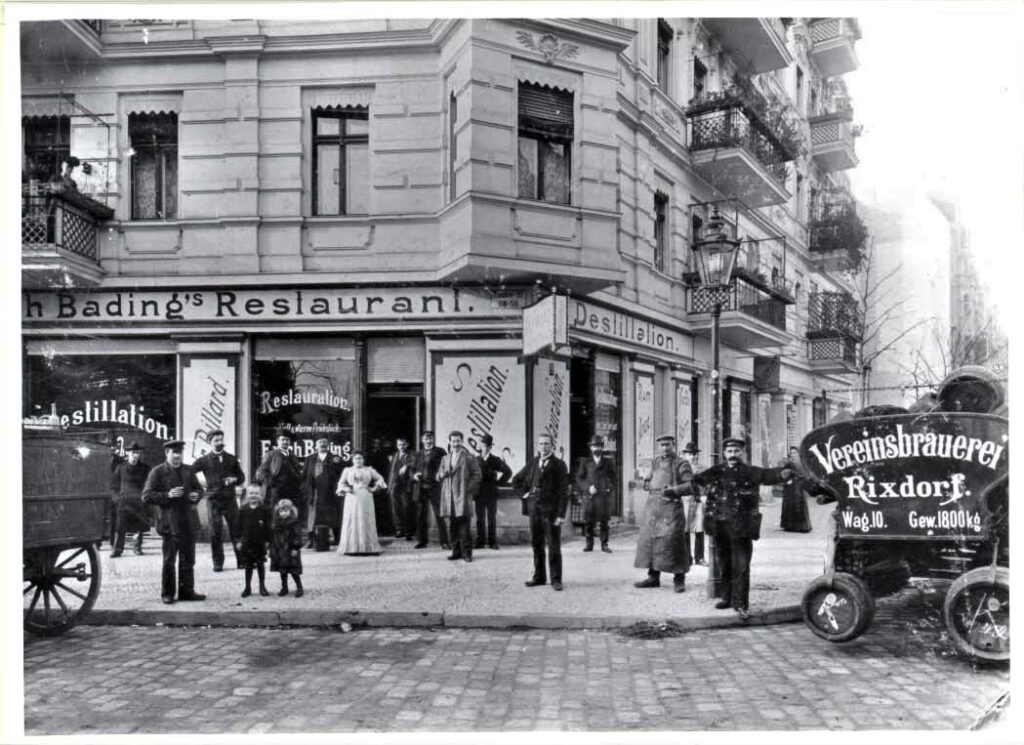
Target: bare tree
x: 984, y: 346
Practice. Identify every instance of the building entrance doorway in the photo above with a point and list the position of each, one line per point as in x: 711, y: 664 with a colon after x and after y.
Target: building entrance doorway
x: 393, y: 411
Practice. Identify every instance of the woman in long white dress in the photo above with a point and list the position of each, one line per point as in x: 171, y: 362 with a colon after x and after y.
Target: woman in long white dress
x: 359, y: 523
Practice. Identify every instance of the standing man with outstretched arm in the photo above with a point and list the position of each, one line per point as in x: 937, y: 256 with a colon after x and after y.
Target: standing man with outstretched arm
x: 222, y: 473
x: 732, y: 509
x: 544, y: 482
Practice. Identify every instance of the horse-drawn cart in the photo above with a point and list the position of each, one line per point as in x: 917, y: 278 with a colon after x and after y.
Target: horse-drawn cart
x: 65, y: 496
x: 920, y: 495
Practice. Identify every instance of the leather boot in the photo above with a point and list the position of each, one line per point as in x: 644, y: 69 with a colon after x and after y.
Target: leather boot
x: 590, y: 544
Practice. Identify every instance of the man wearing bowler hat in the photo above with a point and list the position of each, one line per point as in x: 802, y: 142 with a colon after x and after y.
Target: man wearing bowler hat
x: 173, y: 487
x: 222, y: 473
x: 732, y: 508
x: 493, y: 473
x: 663, y: 545
x: 595, y: 478
x: 130, y: 513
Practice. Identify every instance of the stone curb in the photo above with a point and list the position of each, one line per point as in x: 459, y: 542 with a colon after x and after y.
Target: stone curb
x: 407, y: 619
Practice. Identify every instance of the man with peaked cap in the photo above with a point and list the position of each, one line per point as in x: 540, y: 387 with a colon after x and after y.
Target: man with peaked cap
x: 732, y: 508
x: 663, y: 545
x: 130, y: 514
x: 222, y: 473
x: 173, y: 487
x: 596, y: 479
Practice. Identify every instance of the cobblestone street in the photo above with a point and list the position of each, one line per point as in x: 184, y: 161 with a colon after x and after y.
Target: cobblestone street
x: 901, y: 675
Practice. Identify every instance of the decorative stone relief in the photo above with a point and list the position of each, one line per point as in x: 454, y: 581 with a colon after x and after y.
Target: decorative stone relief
x: 548, y: 45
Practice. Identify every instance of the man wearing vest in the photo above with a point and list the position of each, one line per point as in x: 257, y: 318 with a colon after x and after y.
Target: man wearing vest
x: 544, y: 482
x: 663, y: 545
x: 222, y: 473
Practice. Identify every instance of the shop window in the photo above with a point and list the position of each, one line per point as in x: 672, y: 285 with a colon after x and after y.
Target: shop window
x: 660, y: 227
x: 545, y: 143
x: 154, y: 165
x: 47, y: 144
x: 341, y: 144
x: 665, y: 35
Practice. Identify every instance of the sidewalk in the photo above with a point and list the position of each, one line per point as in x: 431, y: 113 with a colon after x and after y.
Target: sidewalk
x: 406, y: 587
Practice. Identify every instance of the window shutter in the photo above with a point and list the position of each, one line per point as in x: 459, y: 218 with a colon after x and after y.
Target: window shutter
x: 395, y: 360
x: 544, y: 110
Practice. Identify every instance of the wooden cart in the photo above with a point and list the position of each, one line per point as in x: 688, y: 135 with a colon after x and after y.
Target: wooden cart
x: 919, y: 495
x: 65, y: 499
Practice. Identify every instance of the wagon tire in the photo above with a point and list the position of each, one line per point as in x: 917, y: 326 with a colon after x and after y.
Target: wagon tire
x: 977, y: 613
x: 840, y: 610
x: 60, y: 586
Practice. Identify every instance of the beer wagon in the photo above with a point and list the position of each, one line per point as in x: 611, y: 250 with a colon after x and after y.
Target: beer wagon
x: 65, y: 496
x: 919, y: 495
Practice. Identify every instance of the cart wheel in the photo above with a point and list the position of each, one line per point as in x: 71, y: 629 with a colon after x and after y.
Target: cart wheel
x: 977, y: 613
x: 60, y: 586
x: 838, y: 611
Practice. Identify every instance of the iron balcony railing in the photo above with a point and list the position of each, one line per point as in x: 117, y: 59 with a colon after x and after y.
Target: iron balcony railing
x: 826, y: 29
x: 741, y: 296
x: 832, y: 131
x: 732, y: 126
x: 836, y: 348
x: 56, y: 218
x: 834, y: 314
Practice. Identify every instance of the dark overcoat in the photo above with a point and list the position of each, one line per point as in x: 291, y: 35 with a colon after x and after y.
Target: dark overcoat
x: 426, y: 463
x: 604, y: 478
x: 126, y: 484
x: 494, y: 472
x: 287, y: 537
x: 663, y: 544
x: 400, y: 484
x: 177, y: 517
x: 320, y: 489
x: 733, y: 496
x: 280, y: 477
x: 547, y: 487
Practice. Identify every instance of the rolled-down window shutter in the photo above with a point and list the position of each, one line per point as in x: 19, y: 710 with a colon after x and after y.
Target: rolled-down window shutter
x: 395, y: 360
x: 544, y: 110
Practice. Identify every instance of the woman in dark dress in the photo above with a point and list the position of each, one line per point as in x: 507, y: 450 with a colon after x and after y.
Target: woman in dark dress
x: 795, y: 516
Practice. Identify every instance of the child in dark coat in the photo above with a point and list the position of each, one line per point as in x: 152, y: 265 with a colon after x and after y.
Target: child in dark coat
x: 286, y: 544
x: 253, y: 531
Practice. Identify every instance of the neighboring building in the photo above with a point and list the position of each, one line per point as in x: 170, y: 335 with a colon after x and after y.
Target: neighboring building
x: 335, y: 225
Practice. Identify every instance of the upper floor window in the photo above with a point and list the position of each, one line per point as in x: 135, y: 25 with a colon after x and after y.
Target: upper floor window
x: 660, y: 229
x: 700, y: 78
x: 341, y: 143
x: 453, y: 119
x: 799, y: 90
x: 154, y: 165
x: 47, y: 143
x: 664, y: 53
x: 545, y: 143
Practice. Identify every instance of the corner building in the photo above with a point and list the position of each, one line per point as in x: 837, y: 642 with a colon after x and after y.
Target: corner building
x: 335, y: 225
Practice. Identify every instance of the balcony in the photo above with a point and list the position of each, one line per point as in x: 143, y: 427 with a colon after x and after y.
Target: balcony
x: 832, y: 41
x: 835, y: 327
x: 737, y: 152
x: 61, y: 41
x: 832, y: 142
x: 837, y: 234
x: 60, y: 237
x: 761, y: 42
x: 751, y: 316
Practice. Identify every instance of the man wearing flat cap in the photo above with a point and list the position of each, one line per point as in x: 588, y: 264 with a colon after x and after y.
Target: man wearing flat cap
x: 130, y: 514
x: 663, y: 545
x: 173, y: 487
x: 222, y: 473
x: 595, y: 479
x: 732, y: 510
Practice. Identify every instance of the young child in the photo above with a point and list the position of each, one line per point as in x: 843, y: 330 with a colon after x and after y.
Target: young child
x: 285, y: 546
x: 253, y: 531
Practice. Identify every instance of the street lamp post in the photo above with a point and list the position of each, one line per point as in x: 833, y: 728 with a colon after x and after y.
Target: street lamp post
x: 716, y: 255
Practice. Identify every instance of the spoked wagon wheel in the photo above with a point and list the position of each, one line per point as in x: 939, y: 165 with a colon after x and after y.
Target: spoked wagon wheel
x: 840, y: 610
x: 977, y: 613
x: 60, y: 586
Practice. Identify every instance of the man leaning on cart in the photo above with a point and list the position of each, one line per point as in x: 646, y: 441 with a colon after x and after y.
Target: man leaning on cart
x: 173, y: 487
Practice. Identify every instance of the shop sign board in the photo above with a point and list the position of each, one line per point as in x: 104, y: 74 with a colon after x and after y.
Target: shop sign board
x: 623, y: 327
x: 327, y: 305
x: 551, y: 404
x: 545, y: 325
x: 919, y: 476
x: 208, y: 402
x: 478, y: 395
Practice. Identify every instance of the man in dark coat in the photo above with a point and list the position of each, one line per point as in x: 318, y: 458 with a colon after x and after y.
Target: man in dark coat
x: 544, y: 482
x: 732, y: 509
x: 596, y: 479
x: 493, y: 473
x: 130, y: 514
x: 320, y: 474
x: 377, y: 458
x: 399, y: 477
x: 427, y: 490
x: 173, y: 487
x: 222, y: 473
x: 280, y: 475
x: 663, y: 545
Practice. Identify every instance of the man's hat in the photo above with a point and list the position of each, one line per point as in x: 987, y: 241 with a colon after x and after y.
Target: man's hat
x: 427, y: 432
x: 487, y: 440
x: 691, y: 448
x: 133, y: 448
x: 283, y: 432
x: 174, y: 446
x: 733, y: 442
x: 596, y: 440
x: 663, y: 438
